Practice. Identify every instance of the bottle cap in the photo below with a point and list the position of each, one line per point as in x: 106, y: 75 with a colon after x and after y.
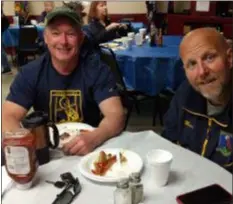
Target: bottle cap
x: 123, y: 183
x: 135, y: 177
x: 24, y: 186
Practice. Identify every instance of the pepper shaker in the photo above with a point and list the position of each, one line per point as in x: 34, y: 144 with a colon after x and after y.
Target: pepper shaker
x: 136, y: 188
x: 123, y: 194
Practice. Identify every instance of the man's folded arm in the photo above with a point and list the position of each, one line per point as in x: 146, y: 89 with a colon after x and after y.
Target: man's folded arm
x: 19, y: 100
x: 12, y: 114
x: 107, y: 96
x: 113, y: 121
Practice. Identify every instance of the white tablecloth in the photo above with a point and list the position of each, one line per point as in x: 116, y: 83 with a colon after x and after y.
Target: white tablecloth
x: 189, y: 171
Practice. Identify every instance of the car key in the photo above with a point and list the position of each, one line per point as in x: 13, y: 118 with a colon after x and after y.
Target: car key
x: 57, y: 184
x: 68, y: 178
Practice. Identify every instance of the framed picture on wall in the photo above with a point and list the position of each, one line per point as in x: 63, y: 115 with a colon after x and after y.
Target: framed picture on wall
x: 203, y: 6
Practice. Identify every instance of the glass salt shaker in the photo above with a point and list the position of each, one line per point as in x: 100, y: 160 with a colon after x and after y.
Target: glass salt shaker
x: 122, y: 194
x: 136, y: 188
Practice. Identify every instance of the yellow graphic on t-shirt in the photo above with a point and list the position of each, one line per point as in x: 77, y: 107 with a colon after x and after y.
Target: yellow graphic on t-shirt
x: 71, y: 113
x: 66, y: 106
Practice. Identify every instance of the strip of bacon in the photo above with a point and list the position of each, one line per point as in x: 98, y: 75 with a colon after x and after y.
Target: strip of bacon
x: 103, y: 164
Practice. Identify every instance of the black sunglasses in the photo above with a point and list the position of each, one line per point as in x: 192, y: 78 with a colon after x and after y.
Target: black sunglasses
x: 69, y: 193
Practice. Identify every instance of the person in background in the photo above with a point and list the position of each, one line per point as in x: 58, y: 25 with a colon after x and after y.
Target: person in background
x: 151, y: 10
x: 158, y: 20
x: 100, y: 26
x: 200, y: 114
x: 4, y: 26
x: 22, y: 11
x: 48, y: 7
x: 151, y: 13
x: 77, y: 6
x: 66, y: 83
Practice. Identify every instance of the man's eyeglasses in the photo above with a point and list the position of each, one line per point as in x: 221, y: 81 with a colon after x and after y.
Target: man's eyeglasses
x: 69, y: 193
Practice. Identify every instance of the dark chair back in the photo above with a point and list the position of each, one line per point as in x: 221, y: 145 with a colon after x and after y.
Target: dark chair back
x: 108, y: 56
x: 28, y: 36
x: 129, y: 98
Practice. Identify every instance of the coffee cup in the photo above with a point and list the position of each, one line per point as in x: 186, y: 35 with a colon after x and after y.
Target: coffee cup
x: 138, y: 39
x: 39, y: 124
x: 159, y: 162
x: 131, y: 35
x: 34, y: 22
x: 16, y: 20
x: 142, y: 32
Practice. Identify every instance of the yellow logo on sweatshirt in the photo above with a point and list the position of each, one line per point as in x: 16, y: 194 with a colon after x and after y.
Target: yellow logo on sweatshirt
x: 188, y: 124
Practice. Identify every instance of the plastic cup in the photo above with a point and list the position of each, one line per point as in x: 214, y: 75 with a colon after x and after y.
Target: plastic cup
x: 127, y: 44
x: 131, y: 35
x: 138, y: 39
x: 159, y: 162
x: 142, y: 32
x: 16, y: 20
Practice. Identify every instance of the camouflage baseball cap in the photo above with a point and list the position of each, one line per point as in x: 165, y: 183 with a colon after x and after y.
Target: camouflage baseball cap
x: 63, y: 11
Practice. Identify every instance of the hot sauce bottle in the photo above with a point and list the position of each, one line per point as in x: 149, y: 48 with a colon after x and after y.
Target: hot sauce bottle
x: 20, y: 159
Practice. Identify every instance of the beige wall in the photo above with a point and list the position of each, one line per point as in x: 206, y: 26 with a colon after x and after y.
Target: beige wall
x: 36, y: 7
x: 126, y: 7
x: 8, y: 8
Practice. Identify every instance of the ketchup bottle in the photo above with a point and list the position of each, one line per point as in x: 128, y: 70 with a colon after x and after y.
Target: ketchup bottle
x: 20, y: 158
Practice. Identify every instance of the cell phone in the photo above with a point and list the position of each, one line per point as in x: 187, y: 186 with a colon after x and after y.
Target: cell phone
x: 213, y: 194
x: 68, y: 178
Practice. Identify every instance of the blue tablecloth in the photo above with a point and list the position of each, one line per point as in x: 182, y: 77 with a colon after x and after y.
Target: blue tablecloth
x: 172, y: 40
x: 11, y: 36
x: 151, y: 69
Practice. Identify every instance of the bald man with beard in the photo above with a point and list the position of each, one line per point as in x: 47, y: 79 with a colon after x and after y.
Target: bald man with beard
x: 200, y: 114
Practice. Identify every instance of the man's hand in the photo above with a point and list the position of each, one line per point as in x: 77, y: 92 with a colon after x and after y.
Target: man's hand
x: 111, y: 125
x: 82, y: 144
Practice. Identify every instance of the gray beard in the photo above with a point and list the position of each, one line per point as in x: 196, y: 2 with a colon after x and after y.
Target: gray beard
x: 215, y: 97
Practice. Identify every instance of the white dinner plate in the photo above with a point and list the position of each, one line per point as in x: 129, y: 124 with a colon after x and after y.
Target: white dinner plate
x: 121, y: 40
x: 110, y: 45
x: 134, y: 163
x: 72, y: 128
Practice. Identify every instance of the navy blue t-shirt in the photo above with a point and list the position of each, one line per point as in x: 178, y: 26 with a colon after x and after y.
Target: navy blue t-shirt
x: 72, y: 98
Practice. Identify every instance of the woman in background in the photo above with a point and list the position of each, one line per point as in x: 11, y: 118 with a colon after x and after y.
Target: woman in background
x: 22, y: 11
x: 48, y: 6
x: 76, y: 6
x: 100, y: 27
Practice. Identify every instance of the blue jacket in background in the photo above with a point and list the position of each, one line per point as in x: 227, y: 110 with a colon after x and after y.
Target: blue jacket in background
x: 188, y: 124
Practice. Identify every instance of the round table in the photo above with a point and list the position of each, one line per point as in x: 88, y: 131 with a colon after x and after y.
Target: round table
x: 151, y: 69
x: 189, y: 171
x: 11, y: 36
